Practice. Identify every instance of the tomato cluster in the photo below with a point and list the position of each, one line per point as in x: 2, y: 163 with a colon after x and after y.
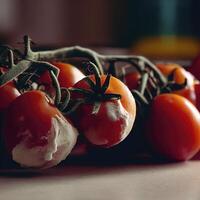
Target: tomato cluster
x: 172, y: 117
x: 51, y: 108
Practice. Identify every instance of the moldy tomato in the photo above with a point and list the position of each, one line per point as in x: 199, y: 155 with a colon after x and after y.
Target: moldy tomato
x: 35, y: 132
x: 115, y: 117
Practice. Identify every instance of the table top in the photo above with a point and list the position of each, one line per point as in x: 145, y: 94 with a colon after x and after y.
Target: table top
x: 98, y: 182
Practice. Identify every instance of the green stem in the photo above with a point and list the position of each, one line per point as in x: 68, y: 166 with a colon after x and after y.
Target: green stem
x: 139, y: 97
x: 64, y: 104
x: 10, y: 59
x: 61, y: 54
x: 15, y: 72
x: 97, y: 77
x: 28, y: 53
x: 133, y: 59
x: 56, y: 85
x: 143, y: 84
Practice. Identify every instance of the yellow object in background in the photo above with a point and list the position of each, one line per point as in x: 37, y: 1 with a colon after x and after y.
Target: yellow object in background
x: 166, y: 29
x: 165, y: 47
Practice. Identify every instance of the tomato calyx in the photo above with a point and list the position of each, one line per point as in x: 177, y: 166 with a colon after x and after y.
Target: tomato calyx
x: 96, y: 93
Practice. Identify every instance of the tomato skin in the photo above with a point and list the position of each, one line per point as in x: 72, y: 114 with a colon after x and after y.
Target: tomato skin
x: 32, y: 107
x: 103, y: 129
x: 8, y: 93
x: 180, y: 73
x: 67, y: 77
x: 189, y: 93
x: 31, y: 128
x: 173, y: 127
x: 132, y: 80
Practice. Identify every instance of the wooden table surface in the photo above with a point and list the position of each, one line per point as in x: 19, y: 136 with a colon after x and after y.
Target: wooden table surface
x: 173, y: 181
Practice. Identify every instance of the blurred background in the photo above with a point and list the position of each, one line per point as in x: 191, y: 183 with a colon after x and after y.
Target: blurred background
x: 156, y: 28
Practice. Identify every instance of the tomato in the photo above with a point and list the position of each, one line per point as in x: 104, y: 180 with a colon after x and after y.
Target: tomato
x: 36, y: 134
x: 114, y: 119
x: 67, y: 77
x: 8, y: 92
x: 132, y: 80
x: 173, y: 127
x: 188, y: 93
x: 195, y: 67
x: 180, y: 74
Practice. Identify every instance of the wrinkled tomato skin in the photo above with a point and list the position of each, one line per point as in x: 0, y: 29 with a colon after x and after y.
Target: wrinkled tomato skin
x: 100, y: 129
x: 173, y: 127
x: 67, y: 77
x: 132, y: 80
x: 96, y: 129
x: 24, y: 113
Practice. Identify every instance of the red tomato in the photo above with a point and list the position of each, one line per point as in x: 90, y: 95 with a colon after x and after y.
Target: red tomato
x: 67, y: 77
x: 36, y: 134
x: 8, y: 93
x: 188, y: 93
x: 180, y: 73
x: 132, y: 80
x: 115, y: 118
x: 173, y: 127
